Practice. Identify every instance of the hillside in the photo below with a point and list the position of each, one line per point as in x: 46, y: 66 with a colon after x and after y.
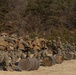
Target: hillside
x: 36, y: 17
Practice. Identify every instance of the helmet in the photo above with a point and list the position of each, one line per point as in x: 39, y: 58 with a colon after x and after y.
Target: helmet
x: 14, y: 36
x: 36, y: 37
x: 54, y: 41
x: 26, y: 37
x: 58, y: 38
x: 4, y: 35
x: 42, y: 39
x: 49, y: 40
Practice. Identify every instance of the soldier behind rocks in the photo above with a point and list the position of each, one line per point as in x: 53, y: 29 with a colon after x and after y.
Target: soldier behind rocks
x: 71, y: 47
x: 59, y: 45
x: 75, y: 46
x: 54, y: 47
x: 4, y: 46
x: 36, y: 47
x: 28, y: 45
x: 21, y: 47
x: 15, y: 49
x: 13, y: 46
x: 68, y: 46
x: 49, y: 45
x: 43, y: 49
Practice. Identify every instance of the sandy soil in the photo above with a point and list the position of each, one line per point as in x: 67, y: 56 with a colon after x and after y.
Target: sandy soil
x: 66, y: 68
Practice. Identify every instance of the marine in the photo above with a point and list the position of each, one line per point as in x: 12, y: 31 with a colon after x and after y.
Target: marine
x: 54, y: 47
x: 4, y: 47
x: 59, y: 45
x: 36, y: 47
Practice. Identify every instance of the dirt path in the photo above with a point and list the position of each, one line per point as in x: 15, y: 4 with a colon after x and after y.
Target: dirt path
x: 66, y: 68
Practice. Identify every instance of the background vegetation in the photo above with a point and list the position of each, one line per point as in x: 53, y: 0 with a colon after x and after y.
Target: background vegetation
x: 38, y: 17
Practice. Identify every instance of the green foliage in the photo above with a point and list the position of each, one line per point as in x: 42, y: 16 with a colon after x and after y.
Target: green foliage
x: 3, y: 8
x: 54, y: 17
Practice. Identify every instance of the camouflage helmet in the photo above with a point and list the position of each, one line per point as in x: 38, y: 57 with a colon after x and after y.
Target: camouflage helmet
x: 54, y: 41
x: 66, y: 42
x: 4, y: 35
x: 20, y: 38
x: 26, y: 37
x: 58, y: 38
x: 73, y: 44
x: 42, y: 39
x: 14, y: 36
x: 49, y: 40
x: 36, y: 37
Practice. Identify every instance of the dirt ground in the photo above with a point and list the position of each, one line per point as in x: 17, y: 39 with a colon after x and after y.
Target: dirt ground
x: 66, y: 68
